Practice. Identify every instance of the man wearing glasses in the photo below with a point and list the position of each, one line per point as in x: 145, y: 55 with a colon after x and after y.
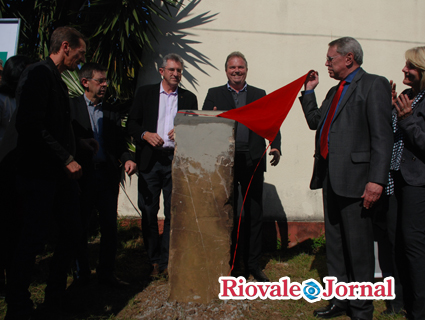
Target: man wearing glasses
x: 101, y: 151
x: 151, y: 124
x: 353, y: 151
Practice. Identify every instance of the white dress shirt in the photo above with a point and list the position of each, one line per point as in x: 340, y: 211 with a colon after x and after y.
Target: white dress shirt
x: 166, y: 114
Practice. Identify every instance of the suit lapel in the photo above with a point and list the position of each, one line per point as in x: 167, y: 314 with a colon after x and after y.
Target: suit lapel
x: 155, y: 105
x: 84, y: 114
x: 180, y: 98
x: 227, y: 95
x: 250, y: 95
x: 351, y: 88
x: 326, y: 107
x: 107, y: 121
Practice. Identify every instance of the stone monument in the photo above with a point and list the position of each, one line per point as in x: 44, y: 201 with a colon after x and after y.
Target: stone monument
x: 201, y: 205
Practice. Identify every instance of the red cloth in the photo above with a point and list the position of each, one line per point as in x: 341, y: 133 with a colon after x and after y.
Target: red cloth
x: 265, y: 116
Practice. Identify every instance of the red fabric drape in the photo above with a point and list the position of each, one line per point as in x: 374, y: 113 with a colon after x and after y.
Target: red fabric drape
x: 266, y: 115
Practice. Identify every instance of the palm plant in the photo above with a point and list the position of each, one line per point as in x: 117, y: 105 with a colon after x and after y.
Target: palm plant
x: 119, y: 31
x: 72, y: 81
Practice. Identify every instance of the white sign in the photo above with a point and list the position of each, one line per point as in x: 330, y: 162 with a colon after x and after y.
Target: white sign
x: 9, y: 35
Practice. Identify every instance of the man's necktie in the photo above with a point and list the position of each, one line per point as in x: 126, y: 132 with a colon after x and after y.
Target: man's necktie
x: 325, y: 130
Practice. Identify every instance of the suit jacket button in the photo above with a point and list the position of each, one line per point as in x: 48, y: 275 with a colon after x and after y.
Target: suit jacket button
x: 414, y: 158
x: 402, y: 160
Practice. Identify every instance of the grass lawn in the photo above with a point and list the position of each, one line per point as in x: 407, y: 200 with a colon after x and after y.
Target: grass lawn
x: 147, y: 299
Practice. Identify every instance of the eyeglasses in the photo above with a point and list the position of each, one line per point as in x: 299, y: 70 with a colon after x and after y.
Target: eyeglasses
x: 171, y: 70
x: 329, y: 59
x: 100, y: 81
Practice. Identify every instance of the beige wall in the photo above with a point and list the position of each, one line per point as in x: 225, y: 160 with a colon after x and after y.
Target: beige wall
x: 282, y: 40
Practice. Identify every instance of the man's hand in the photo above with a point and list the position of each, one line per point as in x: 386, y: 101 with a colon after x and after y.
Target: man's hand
x: 276, y: 157
x: 371, y: 194
x: 153, y: 139
x: 73, y: 170
x: 171, y: 135
x: 312, y: 80
x: 403, y: 106
x: 130, y: 167
x: 90, y: 144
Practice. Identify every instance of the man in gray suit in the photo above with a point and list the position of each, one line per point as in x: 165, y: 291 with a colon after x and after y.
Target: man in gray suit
x: 351, y: 162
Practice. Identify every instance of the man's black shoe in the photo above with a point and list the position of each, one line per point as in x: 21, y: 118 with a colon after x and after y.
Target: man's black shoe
x: 259, y: 275
x: 328, y: 312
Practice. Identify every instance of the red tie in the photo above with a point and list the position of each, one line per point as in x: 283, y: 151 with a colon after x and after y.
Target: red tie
x: 325, y: 130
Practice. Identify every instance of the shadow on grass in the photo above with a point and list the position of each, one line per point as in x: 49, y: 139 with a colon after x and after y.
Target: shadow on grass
x: 132, y: 266
x: 100, y: 302
x: 95, y: 301
x: 306, y: 247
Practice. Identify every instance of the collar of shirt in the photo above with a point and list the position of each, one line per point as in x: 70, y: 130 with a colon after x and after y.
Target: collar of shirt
x: 161, y: 90
x: 91, y: 104
x: 351, y: 76
x: 233, y: 90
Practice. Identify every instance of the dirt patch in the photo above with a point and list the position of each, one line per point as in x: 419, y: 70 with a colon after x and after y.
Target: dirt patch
x: 153, y: 303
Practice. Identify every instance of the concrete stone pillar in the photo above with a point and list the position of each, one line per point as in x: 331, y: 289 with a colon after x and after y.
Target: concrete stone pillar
x: 201, y: 208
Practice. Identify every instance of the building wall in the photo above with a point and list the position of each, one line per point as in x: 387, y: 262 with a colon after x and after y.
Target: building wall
x: 282, y: 40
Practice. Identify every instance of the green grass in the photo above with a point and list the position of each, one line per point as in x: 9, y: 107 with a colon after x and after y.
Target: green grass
x: 305, y: 261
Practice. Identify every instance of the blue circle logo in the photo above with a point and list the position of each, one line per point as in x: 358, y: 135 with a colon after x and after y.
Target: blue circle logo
x: 311, y: 291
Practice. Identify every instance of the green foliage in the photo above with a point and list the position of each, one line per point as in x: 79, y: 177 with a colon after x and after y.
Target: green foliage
x: 319, y: 243
x: 119, y: 31
x: 72, y: 81
x: 279, y: 245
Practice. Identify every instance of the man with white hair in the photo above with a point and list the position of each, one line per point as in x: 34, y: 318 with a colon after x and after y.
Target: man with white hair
x: 353, y: 150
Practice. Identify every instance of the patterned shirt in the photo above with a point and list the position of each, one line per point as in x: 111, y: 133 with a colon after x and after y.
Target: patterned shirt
x: 399, y: 142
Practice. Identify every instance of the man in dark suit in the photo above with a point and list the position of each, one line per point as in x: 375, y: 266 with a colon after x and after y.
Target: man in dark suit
x: 151, y: 124
x: 249, y: 149
x: 102, y: 152
x: 353, y: 150
x: 46, y: 179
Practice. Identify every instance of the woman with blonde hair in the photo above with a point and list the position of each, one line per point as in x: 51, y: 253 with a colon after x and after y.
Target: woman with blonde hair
x: 407, y: 180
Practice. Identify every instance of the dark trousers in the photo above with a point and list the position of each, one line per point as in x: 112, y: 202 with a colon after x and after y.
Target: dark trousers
x: 99, y: 191
x: 252, y: 223
x: 411, y: 204
x: 390, y: 248
x: 150, y: 185
x: 349, y: 245
x: 44, y: 202
x: 10, y: 219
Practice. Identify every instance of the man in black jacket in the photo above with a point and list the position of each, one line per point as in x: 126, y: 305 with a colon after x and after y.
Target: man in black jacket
x: 151, y: 123
x: 249, y: 149
x: 101, y: 150
x: 47, y: 171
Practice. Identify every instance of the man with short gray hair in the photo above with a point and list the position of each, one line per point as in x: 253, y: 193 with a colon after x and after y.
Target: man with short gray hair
x: 151, y: 124
x: 353, y: 150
